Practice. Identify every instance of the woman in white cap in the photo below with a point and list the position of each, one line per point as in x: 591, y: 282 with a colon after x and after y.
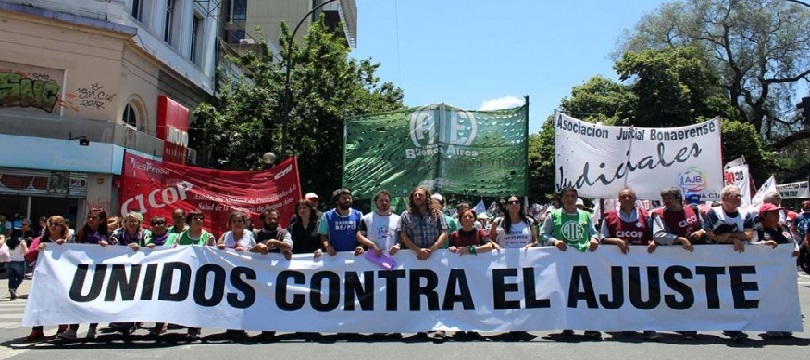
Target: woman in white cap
x: 132, y: 233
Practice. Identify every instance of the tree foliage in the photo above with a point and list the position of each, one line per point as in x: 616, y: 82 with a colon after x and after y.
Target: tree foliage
x: 760, y: 49
x: 326, y: 86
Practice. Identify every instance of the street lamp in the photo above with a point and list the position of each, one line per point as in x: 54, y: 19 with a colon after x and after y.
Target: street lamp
x: 288, y: 77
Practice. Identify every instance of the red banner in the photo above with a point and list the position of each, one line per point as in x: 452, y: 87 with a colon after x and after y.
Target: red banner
x: 156, y: 188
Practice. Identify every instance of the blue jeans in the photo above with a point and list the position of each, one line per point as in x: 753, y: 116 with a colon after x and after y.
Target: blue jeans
x: 15, y: 270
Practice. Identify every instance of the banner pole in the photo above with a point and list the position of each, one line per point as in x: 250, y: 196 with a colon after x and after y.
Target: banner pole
x: 526, y: 149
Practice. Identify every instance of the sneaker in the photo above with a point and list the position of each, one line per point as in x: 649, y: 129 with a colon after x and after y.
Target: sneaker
x: 596, y: 335
x: 36, y: 335
x: 652, y: 336
x: 193, y: 334
x: 91, y: 333
x: 68, y: 334
x: 60, y: 330
x: 736, y: 336
x: 439, y: 335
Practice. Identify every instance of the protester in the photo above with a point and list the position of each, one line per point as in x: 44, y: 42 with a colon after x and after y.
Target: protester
x: 113, y: 223
x: 94, y: 231
x: 271, y: 237
x: 159, y: 234
x: 304, y: 229
x: 195, y: 234
x: 629, y: 226
x: 801, y: 223
x: 57, y: 233
x: 422, y: 229
x: 17, y: 245
x: 132, y: 233
x: 338, y: 227
x: 179, y: 223
x: 483, y: 222
x: 239, y: 239
x: 728, y: 224
x: 378, y: 229
x: 570, y: 226
x: 451, y: 223
x: 515, y: 229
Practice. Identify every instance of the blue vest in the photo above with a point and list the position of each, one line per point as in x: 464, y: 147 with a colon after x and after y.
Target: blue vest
x: 343, y: 229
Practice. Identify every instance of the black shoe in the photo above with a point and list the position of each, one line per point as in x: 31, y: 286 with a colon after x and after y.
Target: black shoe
x: 595, y: 335
x: 439, y: 335
x: 736, y: 336
x: 567, y: 333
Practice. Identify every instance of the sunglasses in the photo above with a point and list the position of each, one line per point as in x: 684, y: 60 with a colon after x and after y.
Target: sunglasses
x: 510, y: 202
x: 201, y: 218
x: 156, y: 223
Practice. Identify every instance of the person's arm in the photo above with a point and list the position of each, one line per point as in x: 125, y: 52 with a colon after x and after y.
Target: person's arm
x: 533, y: 229
x: 594, y: 242
x: 661, y: 235
x: 442, y: 225
x: 548, y: 230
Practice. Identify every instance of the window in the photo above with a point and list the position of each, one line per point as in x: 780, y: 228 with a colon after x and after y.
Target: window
x: 197, y: 31
x: 239, y: 12
x: 235, y: 35
x: 167, y: 27
x: 129, y: 118
x: 137, y: 10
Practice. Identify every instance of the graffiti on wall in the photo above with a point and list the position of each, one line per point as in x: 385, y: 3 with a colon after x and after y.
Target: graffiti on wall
x: 28, y: 90
x: 94, y: 96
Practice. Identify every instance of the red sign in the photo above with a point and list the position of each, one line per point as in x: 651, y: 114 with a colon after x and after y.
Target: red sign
x: 155, y: 188
x: 172, y: 128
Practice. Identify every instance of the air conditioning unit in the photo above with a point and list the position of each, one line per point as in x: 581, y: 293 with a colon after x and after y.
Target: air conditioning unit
x: 247, y: 41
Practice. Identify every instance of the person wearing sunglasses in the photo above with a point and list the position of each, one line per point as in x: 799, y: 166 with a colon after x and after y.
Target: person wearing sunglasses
x: 159, y: 235
x: 179, y: 221
x: 195, y: 234
x: 514, y: 229
x: 57, y: 233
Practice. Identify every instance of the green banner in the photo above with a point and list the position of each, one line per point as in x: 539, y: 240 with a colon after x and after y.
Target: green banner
x: 442, y: 148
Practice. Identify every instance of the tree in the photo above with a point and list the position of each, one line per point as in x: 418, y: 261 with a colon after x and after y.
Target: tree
x: 600, y: 100
x: 759, y: 48
x: 327, y: 86
x: 541, y: 163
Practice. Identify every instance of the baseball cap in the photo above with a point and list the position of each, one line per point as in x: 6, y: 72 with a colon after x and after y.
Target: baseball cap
x: 806, y: 205
x: 768, y: 207
x: 483, y: 216
x: 437, y: 196
x: 692, y: 198
x: 580, y: 202
x: 311, y: 196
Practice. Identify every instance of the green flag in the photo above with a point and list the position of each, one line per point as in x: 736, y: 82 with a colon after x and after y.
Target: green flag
x: 442, y: 148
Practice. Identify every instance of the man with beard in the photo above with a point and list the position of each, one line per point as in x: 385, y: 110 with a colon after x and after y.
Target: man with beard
x: 178, y: 222
x: 378, y: 230
x: 675, y: 223
x: 728, y: 224
x: 338, y: 227
x: 423, y: 230
x: 272, y: 238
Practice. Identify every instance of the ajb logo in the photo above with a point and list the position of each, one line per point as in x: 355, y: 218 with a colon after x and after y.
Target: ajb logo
x: 572, y: 230
x: 457, y: 128
x: 693, y: 180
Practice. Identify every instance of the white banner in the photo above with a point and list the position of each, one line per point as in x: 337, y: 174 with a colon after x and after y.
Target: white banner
x: 758, y: 198
x: 599, y: 160
x: 712, y: 288
x: 741, y: 177
x: 799, y: 190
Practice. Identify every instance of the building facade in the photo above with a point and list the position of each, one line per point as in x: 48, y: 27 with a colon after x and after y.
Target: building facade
x: 83, y: 81
x: 242, y: 17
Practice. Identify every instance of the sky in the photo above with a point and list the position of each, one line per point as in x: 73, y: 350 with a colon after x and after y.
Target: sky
x: 487, y: 54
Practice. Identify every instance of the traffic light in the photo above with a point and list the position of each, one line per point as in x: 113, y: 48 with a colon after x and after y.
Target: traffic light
x: 805, y: 107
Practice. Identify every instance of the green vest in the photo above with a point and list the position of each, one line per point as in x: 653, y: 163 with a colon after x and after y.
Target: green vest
x: 573, y: 229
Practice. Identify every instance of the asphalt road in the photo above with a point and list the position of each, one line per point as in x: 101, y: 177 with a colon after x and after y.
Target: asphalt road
x: 494, y: 346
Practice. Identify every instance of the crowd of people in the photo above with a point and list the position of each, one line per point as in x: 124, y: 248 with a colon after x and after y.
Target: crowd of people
x: 423, y: 228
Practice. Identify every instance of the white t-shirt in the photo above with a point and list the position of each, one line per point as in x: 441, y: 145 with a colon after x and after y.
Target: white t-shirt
x: 520, y: 235
x: 16, y: 253
x: 381, y: 229
x: 247, y: 241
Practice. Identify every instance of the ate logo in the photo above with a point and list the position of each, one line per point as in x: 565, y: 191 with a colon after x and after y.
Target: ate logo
x: 572, y: 230
x: 458, y: 127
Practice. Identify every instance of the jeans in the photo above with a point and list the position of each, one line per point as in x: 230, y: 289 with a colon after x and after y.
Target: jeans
x: 15, y: 270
